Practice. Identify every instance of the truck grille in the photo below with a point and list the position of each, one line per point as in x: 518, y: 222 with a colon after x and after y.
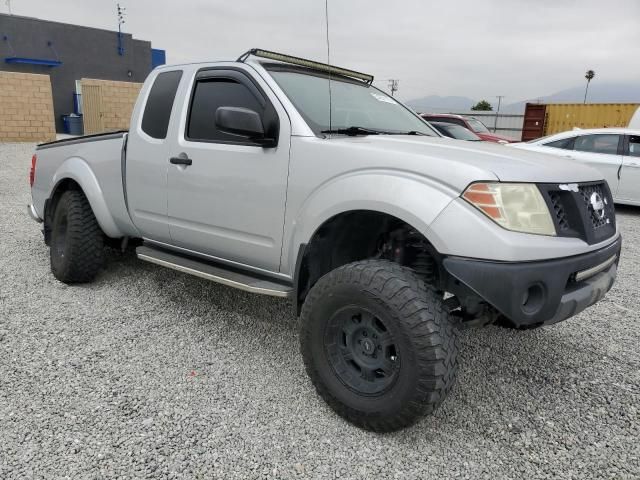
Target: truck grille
x: 562, y: 223
x: 587, y: 191
x: 584, y: 211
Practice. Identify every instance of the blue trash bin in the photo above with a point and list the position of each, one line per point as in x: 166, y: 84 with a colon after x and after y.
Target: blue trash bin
x: 72, y: 124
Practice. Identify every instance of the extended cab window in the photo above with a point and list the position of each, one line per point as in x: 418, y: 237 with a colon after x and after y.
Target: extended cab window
x: 157, y: 111
x: 211, y: 93
x: 606, y: 143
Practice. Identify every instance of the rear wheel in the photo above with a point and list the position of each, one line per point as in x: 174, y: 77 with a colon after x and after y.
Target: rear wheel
x: 378, y: 345
x: 76, y: 248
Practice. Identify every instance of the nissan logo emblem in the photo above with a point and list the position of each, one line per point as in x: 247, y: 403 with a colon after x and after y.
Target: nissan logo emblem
x: 597, y: 205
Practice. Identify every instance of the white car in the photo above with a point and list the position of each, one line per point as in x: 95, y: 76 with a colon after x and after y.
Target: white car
x: 613, y: 151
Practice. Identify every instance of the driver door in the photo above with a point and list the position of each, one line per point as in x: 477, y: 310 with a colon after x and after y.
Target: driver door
x: 227, y: 201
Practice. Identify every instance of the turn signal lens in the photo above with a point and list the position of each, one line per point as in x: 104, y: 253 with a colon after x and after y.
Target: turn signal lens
x: 514, y: 206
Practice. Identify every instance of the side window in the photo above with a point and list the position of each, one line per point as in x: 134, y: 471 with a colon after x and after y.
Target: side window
x: 211, y: 93
x: 605, y: 143
x: 634, y: 146
x: 157, y: 111
x: 565, y: 143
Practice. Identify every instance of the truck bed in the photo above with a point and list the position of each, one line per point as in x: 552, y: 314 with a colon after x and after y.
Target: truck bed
x: 96, y: 162
x: 83, y: 139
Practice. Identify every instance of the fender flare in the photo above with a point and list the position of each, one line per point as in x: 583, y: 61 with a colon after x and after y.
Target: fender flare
x: 412, y: 198
x: 79, y: 171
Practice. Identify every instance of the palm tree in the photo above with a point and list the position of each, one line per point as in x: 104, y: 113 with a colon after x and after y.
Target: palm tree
x: 589, y: 76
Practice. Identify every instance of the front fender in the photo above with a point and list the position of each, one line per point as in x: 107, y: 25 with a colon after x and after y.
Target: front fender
x: 78, y: 170
x: 412, y: 198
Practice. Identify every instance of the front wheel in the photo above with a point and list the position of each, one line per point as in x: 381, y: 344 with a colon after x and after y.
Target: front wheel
x: 378, y: 345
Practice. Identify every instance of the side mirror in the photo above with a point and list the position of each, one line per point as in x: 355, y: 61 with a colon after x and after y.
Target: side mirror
x: 244, y: 123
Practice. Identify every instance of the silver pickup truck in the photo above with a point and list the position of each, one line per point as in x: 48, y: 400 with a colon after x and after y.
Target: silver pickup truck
x: 287, y: 177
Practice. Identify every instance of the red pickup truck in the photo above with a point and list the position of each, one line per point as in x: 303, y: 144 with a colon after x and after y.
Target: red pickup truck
x: 473, y: 124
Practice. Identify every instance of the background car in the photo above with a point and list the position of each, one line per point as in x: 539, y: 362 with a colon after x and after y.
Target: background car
x: 470, y: 123
x: 455, y: 131
x: 613, y: 151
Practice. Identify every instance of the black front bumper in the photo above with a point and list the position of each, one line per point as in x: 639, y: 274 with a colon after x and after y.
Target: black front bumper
x: 548, y: 291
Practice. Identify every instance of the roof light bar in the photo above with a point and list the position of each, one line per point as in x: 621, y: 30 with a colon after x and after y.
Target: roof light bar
x: 323, y: 67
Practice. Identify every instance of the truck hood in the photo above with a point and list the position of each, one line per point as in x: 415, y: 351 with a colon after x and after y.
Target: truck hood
x: 458, y: 163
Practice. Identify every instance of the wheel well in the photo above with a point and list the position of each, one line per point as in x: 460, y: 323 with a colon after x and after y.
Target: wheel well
x: 50, y: 204
x: 363, y: 234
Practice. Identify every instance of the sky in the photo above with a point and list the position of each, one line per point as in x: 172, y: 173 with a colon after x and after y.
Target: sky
x: 476, y: 48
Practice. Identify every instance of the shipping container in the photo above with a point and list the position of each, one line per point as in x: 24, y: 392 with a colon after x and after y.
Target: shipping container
x: 560, y: 117
x: 533, y: 123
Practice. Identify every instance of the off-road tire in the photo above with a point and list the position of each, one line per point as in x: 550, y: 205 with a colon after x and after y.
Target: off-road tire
x: 77, y: 242
x: 413, y: 314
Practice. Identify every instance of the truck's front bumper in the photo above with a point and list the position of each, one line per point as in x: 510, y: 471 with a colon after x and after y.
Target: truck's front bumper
x: 549, y: 291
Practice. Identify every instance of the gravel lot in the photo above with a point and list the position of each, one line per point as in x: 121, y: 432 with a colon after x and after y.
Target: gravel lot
x: 149, y: 372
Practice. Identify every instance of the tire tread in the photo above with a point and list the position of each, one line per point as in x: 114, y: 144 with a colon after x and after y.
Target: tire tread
x: 85, y: 241
x: 430, y: 329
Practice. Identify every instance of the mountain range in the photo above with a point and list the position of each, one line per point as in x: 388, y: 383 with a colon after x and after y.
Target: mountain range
x: 598, y: 93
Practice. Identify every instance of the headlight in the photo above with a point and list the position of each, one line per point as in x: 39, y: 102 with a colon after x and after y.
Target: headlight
x: 514, y: 206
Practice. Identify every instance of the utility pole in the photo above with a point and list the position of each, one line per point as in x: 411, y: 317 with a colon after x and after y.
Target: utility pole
x: 393, y: 85
x: 8, y: 2
x: 121, y: 14
x: 495, y: 124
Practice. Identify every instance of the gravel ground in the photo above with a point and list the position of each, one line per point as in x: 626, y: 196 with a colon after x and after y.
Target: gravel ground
x: 152, y: 373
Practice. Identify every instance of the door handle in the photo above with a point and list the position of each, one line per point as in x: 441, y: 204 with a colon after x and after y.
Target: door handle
x: 180, y: 161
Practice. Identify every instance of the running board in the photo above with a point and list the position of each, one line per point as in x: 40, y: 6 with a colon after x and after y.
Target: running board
x: 214, y: 272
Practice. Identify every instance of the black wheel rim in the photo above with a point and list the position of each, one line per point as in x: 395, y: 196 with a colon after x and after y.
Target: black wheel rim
x: 362, y: 351
x: 60, y: 239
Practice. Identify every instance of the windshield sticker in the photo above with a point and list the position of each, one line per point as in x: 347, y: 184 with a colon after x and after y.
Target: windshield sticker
x: 383, y: 98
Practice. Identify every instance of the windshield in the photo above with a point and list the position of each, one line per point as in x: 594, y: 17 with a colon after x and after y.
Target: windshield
x: 456, y: 131
x: 477, y: 126
x: 353, y: 103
